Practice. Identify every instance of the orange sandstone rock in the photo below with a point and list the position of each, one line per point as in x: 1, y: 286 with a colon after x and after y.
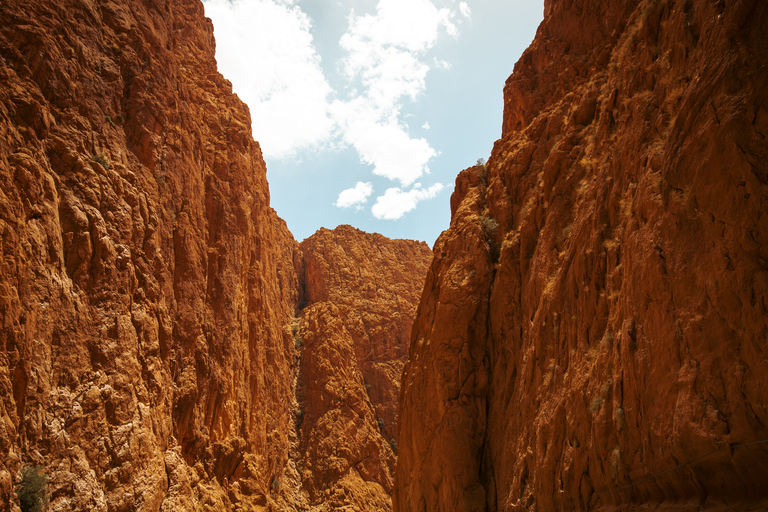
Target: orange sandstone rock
x: 145, y: 284
x: 362, y: 290
x: 596, y: 313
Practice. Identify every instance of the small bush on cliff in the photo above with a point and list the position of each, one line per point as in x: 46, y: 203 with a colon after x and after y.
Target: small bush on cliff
x: 32, y: 492
x: 481, y: 170
x: 489, y: 226
x: 101, y: 159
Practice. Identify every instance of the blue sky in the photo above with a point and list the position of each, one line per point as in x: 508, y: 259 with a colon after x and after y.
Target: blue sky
x: 367, y: 110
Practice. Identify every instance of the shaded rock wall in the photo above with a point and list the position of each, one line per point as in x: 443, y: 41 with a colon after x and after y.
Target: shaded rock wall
x: 362, y: 290
x: 145, y: 359
x: 597, y: 312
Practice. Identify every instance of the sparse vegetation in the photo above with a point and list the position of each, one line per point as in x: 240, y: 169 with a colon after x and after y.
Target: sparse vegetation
x: 299, y: 415
x: 33, y: 489
x: 109, y: 120
x: 481, y: 170
x: 101, y: 159
x: 489, y: 226
x: 298, y: 341
x: 380, y: 421
x: 597, y: 402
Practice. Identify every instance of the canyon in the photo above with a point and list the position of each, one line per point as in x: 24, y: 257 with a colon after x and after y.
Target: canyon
x: 588, y: 334
x: 165, y: 343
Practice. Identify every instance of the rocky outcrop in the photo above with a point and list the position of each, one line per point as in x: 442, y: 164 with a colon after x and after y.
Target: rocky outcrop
x: 361, y: 291
x: 146, y: 285
x: 592, y: 329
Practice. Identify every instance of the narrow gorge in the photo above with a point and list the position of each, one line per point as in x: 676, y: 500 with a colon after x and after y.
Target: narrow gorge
x: 590, y: 333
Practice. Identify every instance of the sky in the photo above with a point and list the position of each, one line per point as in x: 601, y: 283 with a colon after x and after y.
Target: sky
x: 366, y: 110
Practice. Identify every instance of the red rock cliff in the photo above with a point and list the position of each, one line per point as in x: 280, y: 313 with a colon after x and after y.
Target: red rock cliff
x: 146, y: 285
x: 597, y: 312
x: 362, y: 290
x: 150, y: 358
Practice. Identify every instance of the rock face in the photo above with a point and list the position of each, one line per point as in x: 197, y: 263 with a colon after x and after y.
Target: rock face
x: 150, y: 358
x: 597, y: 313
x: 362, y: 291
x: 145, y: 284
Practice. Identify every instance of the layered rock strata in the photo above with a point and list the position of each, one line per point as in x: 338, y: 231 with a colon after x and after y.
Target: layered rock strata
x: 592, y: 333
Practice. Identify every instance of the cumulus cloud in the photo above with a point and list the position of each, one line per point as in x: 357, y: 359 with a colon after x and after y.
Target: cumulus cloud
x: 355, y: 196
x: 265, y: 48
x: 465, y: 10
x: 381, y: 141
x: 395, y: 202
x: 386, y: 52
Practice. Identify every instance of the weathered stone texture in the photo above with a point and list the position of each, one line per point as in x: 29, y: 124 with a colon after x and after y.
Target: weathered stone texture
x: 597, y: 312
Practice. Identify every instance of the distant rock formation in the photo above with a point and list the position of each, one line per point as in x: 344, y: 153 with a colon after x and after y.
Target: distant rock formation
x: 362, y: 291
x: 597, y: 312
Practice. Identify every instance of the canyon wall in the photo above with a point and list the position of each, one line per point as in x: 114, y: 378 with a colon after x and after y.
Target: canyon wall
x: 361, y: 291
x: 592, y: 333
x: 146, y: 283
x: 148, y: 293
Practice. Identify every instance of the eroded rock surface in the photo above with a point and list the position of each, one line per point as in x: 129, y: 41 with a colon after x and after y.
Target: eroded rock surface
x: 361, y: 290
x: 150, y: 352
x: 597, y: 313
x: 145, y: 283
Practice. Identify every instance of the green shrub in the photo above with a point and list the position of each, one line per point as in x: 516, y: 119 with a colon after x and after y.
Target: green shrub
x: 32, y: 492
x: 101, y: 159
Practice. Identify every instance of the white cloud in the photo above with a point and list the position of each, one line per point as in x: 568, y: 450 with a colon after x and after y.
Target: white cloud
x: 426, y: 126
x: 385, y: 51
x: 355, y: 196
x: 442, y: 64
x: 409, y: 24
x: 265, y: 48
x: 395, y: 202
x: 465, y: 10
x: 381, y: 141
